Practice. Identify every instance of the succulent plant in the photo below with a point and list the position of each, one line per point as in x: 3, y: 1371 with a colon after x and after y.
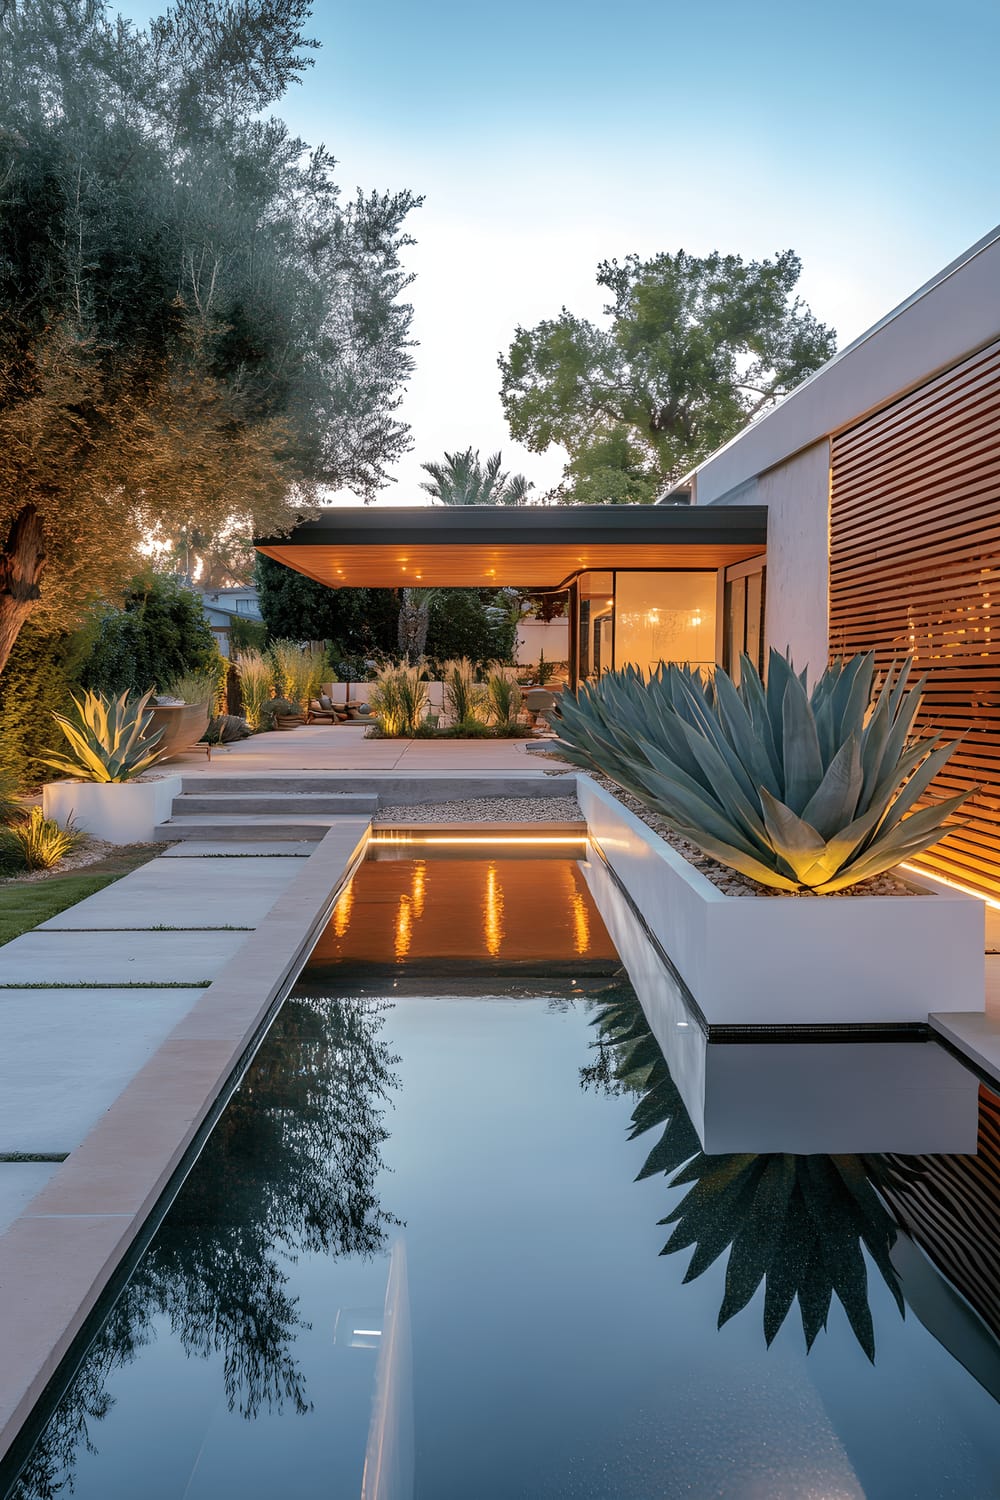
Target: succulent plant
x: 798, y: 790
x: 107, y: 738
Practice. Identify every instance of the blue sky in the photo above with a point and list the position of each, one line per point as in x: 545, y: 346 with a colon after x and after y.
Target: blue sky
x: 551, y: 135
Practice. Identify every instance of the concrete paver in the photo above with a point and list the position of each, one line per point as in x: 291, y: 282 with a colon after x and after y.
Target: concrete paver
x: 170, y: 894
x: 119, y: 958
x: 19, y: 1182
x: 53, y: 1095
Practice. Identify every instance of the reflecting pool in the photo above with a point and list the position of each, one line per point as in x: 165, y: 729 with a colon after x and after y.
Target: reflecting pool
x: 464, y: 1239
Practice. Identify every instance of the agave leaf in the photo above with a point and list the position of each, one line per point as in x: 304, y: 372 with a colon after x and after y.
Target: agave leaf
x: 834, y: 802
x: 800, y: 747
x: 916, y: 786
x: 743, y: 739
x: 759, y: 1237
x: 751, y: 689
x: 723, y: 791
x: 798, y: 843
x: 681, y: 804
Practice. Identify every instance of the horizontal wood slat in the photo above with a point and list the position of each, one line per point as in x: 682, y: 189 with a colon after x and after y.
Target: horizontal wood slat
x: 915, y: 566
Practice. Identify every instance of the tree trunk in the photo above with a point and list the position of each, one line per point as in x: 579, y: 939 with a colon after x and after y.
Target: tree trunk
x: 21, y: 564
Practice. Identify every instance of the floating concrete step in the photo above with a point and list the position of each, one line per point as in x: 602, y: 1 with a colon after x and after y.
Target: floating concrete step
x: 284, y: 804
x: 238, y: 828
x: 391, y: 788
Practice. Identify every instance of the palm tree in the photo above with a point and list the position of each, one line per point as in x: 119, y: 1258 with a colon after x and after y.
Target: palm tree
x: 463, y: 480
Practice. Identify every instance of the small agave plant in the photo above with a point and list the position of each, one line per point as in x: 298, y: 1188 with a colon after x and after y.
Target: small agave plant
x: 798, y: 790
x: 107, y: 738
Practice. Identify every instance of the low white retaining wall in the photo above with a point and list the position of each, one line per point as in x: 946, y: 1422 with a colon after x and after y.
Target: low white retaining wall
x: 123, y: 812
x: 783, y: 961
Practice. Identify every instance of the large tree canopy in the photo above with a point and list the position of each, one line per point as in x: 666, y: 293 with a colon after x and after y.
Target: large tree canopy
x: 196, y: 333
x: 694, y: 348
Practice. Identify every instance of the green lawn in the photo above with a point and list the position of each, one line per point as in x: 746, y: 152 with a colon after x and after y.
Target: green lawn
x: 25, y: 903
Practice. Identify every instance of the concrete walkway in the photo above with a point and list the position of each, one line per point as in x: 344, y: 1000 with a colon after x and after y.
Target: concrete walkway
x: 343, y: 747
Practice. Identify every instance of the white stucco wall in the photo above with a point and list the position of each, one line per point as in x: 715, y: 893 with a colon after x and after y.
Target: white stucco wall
x: 536, y: 636
x: 797, y: 496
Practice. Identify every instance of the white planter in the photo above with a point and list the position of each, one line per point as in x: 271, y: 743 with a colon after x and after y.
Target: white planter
x: 123, y: 812
x: 819, y: 960
x: 789, y: 1096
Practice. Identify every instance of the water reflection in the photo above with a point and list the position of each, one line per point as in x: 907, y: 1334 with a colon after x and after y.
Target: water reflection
x: 795, y: 1223
x: 290, y: 1169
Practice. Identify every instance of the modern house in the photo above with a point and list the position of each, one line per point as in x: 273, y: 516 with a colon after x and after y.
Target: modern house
x: 863, y: 512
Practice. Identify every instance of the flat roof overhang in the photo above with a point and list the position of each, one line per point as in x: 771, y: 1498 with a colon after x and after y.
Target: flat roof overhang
x: 534, y: 547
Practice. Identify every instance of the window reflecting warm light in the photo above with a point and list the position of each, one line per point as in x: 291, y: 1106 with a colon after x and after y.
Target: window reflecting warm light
x: 342, y: 911
x: 404, y: 927
x: 581, y: 924
x: 419, y: 887
x: 493, y: 912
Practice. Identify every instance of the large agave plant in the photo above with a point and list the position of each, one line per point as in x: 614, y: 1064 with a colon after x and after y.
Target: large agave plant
x: 798, y: 790
x: 107, y: 738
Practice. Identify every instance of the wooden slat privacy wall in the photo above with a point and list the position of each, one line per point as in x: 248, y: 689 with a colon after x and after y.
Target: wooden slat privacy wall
x: 915, y: 566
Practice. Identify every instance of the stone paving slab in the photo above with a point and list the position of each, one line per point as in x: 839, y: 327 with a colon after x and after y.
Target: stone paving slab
x: 198, y: 849
x: 119, y: 958
x: 19, y: 1182
x: 176, y: 895
x: 52, y: 1096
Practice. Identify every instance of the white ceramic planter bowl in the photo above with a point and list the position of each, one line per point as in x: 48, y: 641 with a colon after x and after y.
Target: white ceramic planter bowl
x: 820, y: 960
x: 123, y: 812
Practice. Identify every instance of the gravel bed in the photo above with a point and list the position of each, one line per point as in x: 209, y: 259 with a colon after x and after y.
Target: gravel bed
x: 487, y: 810
x: 89, y: 853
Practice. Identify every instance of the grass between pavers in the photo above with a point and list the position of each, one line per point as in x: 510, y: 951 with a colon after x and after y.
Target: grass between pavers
x: 25, y: 903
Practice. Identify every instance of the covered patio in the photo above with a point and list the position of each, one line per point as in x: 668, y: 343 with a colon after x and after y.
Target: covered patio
x: 644, y: 583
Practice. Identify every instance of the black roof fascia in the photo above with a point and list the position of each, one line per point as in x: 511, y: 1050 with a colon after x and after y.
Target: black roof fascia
x: 457, y: 525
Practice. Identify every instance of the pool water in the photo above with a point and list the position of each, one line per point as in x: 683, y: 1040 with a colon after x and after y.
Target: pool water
x: 420, y: 1255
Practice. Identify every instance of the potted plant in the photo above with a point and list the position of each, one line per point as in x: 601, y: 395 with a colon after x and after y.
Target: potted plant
x: 110, y: 744
x: 806, y: 794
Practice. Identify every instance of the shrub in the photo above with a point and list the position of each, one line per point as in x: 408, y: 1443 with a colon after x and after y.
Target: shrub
x: 194, y: 687
x: 503, y: 697
x: 107, y: 738
x: 225, y: 729
x: 464, y: 697
x: 277, y: 708
x: 298, y: 670
x: 159, y: 635
x: 36, y: 843
x: 398, y: 699
x: 42, y: 672
x: 798, y: 790
x: 256, y: 673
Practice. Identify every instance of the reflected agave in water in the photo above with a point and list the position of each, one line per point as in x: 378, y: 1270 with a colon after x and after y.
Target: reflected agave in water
x: 797, y: 1224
